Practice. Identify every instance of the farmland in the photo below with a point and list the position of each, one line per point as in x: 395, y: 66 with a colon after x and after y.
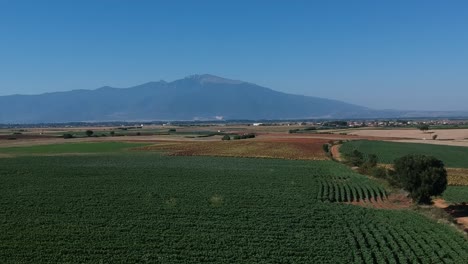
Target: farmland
x: 71, y: 148
x: 387, y: 152
x: 306, y: 149
x: 456, y: 194
x: 130, y: 206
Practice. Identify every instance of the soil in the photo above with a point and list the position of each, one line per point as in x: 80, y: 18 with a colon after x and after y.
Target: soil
x: 335, y: 152
x: 457, y: 211
x: 392, y: 202
x: 442, y: 134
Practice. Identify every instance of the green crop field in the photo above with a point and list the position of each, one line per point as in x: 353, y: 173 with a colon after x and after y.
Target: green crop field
x: 456, y: 194
x: 133, y: 207
x: 387, y: 152
x: 101, y: 147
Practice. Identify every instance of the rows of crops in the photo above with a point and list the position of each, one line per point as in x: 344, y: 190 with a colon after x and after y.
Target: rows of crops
x: 456, y: 194
x: 387, y: 152
x: 350, y: 188
x: 72, y: 147
x: 143, y: 207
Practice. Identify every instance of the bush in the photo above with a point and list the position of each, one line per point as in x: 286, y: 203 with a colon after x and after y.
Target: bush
x: 372, y: 160
x: 66, y: 136
x: 89, y: 133
x: 326, y: 148
x: 236, y: 137
x: 226, y: 137
x: 356, y: 158
x: 379, y: 172
x: 422, y: 176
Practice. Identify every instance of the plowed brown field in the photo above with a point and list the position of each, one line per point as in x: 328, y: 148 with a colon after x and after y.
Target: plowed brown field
x: 287, y: 148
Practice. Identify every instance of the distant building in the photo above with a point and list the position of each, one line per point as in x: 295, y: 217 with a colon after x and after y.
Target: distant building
x: 257, y: 124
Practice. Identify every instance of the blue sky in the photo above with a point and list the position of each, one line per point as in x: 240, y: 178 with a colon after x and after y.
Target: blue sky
x: 380, y: 54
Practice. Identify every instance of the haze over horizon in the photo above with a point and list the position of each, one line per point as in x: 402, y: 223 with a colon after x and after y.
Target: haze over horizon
x: 383, y: 55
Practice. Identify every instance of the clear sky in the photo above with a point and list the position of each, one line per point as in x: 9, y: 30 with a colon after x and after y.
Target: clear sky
x: 381, y: 54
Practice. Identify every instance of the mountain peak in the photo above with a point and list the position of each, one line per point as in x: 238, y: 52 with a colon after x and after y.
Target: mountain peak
x: 208, y: 78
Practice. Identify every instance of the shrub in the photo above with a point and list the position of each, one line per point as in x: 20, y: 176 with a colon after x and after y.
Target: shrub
x: 226, y: 137
x: 326, y: 148
x: 356, y: 158
x: 89, y: 133
x: 66, y: 136
x: 379, y: 172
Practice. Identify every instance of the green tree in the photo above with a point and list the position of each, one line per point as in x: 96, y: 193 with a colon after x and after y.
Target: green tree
x: 89, y: 133
x: 423, y: 127
x: 422, y: 176
x: 226, y: 137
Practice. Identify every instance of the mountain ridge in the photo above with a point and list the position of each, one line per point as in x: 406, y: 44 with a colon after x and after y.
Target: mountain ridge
x: 194, y: 97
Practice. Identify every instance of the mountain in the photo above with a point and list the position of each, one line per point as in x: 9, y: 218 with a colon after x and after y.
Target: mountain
x: 197, y: 97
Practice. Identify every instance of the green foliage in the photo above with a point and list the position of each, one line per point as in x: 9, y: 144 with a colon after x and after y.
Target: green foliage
x: 226, y: 137
x: 355, y: 158
x: 67, y: 136
x: 372, y: 160
x: 244, y: 136
x: 89, y: 133
x: 423, y: 127
x: 387, y: 152
x: 456, y: 194
x: 379, y: 172
x: 326, y: 148
x: 422, y: 176
x: 141, y: 207
x: 349, y: 188
x: 72, y: 148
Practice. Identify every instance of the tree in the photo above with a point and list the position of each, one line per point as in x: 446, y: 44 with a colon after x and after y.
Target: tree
x: 89, y: 133
x: 434, y: 137
x: 112, y: 133
x: 423, y: 127
x: 422, y: 176
x: 226, y: 137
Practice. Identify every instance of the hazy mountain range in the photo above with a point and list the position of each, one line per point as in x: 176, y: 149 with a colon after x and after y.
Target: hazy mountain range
x: 197, y: 97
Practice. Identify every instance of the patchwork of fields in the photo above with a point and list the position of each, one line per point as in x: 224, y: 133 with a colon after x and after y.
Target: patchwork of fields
x: 456, y: 158
x: 135, y: 207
